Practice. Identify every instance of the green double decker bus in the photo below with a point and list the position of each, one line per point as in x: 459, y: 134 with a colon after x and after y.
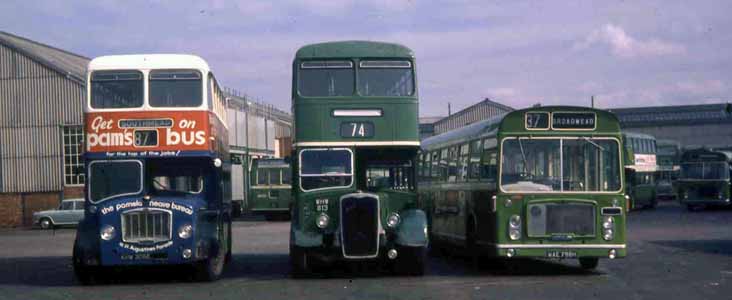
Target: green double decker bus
x: 270, y: 188
x: 705, y: 178
x: 640, y: 169
x: 543, y: 182
x: 356, y: 139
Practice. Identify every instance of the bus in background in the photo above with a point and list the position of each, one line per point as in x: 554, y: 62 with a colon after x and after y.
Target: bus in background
x: 356, y: 139
x: 270, y: 189
x: 668, y: 157
x: 157, y: 162
x: 705, y: 178
x: 640, y: 169
x: 540, y: 182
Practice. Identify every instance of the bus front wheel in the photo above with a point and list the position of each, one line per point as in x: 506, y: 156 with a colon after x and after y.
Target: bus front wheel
x: 410, y: 261
x: 299, y: 262
x: 589, y: 263
x: 211, y: 268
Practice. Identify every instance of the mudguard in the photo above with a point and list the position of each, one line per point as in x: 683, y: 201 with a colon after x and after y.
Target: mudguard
x: 304, y: 239
x: 412, y: 231
x: 86, y: 244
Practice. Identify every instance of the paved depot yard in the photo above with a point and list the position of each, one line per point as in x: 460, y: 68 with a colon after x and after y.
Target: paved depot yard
x: 674, y: 254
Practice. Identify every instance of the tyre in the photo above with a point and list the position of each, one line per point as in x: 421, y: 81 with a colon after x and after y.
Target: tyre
x: 211, y: 268
x: 589, y: 263
x: 46, y: 223
x: 300, y: 262
x: 83, y: 274
x: 410, y: 261
x: 228, y: 246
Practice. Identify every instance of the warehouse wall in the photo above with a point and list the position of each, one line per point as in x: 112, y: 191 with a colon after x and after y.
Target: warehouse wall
x: 35, y: 103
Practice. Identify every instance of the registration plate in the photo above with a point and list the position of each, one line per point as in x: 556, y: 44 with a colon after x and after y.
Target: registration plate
x: 145, y: 256
x: 561, y: 254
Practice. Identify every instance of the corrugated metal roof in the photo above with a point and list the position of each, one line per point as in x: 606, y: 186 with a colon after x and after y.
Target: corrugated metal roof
x: 67, y: 63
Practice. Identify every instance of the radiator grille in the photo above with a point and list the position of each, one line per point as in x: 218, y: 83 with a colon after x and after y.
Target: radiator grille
x: 547, y: 219
x: 146, y: 226
x: 360, y: 226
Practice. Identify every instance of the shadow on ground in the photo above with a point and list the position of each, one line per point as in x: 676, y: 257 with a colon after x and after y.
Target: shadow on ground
x: 721, y: 247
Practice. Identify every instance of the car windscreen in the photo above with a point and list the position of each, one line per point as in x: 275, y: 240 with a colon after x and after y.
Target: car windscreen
x: 116, y: 89
x: 108, y: 179
x: 326, y: 78
x: 393, y: 78
x: 175, y: 88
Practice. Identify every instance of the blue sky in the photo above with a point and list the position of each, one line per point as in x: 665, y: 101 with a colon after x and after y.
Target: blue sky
x: 626, y: 53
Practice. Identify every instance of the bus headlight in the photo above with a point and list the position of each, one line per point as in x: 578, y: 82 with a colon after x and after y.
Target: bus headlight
x: 514, y: 227
x: 608, y: 234
x: 514, y: 234
x: 185, y: 231
x: 608, y: 223
x: 393, y: 220
x: 322, y: 221
x: 107, y: 233
x: 515, y: 221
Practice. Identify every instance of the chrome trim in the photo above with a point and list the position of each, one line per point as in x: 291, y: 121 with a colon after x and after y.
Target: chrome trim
x: 146, y: 209
x: 357, y: 143
x: 560, y: 246
x: 379, y: 229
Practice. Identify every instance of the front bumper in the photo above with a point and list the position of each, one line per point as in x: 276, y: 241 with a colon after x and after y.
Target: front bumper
x: 550, y: 251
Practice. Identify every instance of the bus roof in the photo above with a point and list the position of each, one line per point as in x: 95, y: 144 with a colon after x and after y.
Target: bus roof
x: 638, y: 135
x: 347, y: 49
x: 489, y: 127
x: 148, y: 61
x: 705, y: 154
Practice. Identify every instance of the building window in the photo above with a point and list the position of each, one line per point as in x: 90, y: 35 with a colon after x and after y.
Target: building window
x: 73, y: 164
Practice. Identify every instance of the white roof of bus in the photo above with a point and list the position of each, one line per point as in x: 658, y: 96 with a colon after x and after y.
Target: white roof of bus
x: 148, y: 61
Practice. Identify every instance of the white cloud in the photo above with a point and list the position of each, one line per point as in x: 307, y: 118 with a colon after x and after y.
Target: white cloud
x: 626, y: 46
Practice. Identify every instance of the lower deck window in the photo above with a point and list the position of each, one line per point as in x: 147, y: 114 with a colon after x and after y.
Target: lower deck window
x: 325, y: 168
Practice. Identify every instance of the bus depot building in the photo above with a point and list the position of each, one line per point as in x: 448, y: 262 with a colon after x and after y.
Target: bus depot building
x: 42, y: 94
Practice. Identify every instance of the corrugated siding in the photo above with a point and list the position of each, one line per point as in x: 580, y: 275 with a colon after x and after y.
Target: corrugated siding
x: 35, y: 102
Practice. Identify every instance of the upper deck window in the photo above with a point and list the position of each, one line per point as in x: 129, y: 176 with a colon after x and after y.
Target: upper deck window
x: 175, y: 88
x: 116, y: 89
x: 393, y: 78
x: 328, y: 78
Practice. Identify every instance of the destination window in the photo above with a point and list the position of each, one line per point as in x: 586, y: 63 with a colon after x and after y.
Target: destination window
x: 325, y: 168
x: 116, y: 89
x: 73, y: 164
x: 329, y: 78
x: 175, y: 88
x: 392, y: 78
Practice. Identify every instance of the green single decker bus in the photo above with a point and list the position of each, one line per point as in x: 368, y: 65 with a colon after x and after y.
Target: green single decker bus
x: 270, y: 188
x: 705, y: 178
x: 668, y: 155
x: 543, y: 182
x: 640, y: 169
x: 356, y: 140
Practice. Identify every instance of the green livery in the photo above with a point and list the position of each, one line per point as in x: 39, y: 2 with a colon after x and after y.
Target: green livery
x: 539, y: 182
x: 705, y: 178
x: 270, y: 188
x: 668, y: 153
x: 355, y: 108
x: 640, y: 169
